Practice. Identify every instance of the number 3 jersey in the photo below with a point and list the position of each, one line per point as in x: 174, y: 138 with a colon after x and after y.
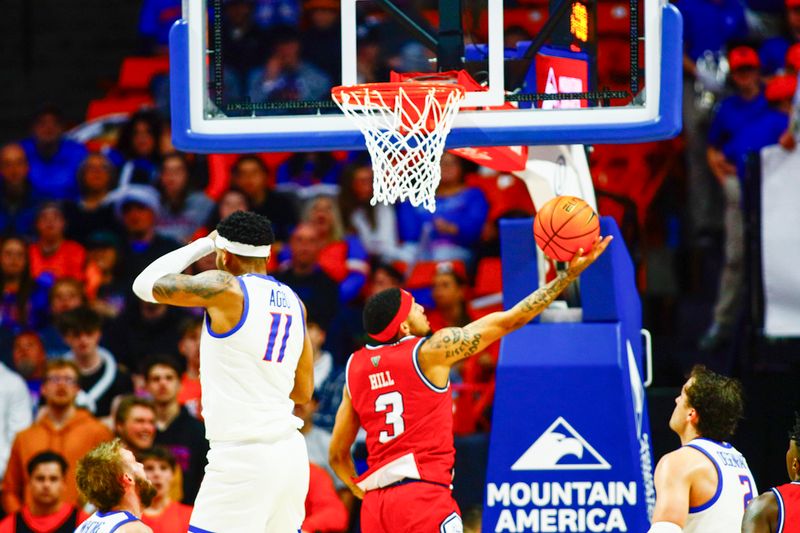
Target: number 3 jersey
x: 247, y: 373
x: 408, y: 420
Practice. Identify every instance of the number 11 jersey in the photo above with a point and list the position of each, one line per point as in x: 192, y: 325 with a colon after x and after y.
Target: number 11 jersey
x: 408, y: 420
x: 247, y: 373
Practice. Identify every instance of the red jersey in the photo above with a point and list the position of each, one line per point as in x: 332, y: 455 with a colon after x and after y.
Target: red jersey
x: 408, y: 420
x: 65, y: 520
x: 788, y: 497
x: 174, y: 518
x: 68, y: 260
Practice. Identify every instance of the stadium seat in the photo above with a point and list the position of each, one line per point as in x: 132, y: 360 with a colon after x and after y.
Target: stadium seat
x: 633, y: 171
x: 613, y: 18
x: 504, y: 193
x: 219, y: 170
x: 487, y: 293
x: 136, y: 73
x: 531, y: 19
x: 488, y: 277
x: 113, y: 105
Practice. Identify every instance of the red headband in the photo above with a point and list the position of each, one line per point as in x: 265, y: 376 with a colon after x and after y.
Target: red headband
x: 406, y: 300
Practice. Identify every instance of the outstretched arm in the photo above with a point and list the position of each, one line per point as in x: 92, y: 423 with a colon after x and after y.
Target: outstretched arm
x: 344, y: 434
x: 761, y: 516
x: 450, y: 345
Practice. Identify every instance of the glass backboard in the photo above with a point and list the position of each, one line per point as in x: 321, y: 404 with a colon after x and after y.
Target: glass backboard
x: 557, y: 72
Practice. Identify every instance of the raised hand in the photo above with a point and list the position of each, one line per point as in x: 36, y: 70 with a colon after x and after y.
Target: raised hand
x: 581, y: 262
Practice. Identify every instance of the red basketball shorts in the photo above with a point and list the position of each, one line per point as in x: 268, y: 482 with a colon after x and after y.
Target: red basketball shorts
x: 415, y: 507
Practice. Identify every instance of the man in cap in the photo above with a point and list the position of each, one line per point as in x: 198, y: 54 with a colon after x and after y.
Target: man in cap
x: 138, y: 207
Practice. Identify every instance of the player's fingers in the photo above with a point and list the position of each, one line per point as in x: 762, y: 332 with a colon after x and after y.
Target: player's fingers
x: 600, y: 247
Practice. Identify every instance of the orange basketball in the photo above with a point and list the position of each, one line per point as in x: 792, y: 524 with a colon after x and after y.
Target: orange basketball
x: 564, y: 225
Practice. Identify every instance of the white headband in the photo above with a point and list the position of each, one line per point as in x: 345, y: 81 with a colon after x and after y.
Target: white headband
x: 238, y: 248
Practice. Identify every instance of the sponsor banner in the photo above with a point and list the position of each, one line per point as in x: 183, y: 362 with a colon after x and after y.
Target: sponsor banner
x: 780, y: 243
x: 562, y: 72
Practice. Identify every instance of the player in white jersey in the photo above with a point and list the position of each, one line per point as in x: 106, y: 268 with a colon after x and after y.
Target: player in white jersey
x: 705, y: 485
x: 256, y: 362
x: 111, y: 479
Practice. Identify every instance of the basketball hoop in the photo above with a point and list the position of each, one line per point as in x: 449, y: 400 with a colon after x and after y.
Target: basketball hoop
x: 405, y: 125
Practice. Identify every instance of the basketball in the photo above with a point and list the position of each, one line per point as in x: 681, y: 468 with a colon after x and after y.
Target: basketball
x: 564, y: 225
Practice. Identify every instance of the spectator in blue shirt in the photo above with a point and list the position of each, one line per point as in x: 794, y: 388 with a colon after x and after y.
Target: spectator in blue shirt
x: 52, y: 158
x: 736, y: 111
x: 452, y: 232
x: 767, y: 128
x: 773, y: 51
x: 17, y: 203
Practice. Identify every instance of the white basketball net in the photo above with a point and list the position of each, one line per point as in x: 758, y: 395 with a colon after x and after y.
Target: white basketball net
x: 405, y: 135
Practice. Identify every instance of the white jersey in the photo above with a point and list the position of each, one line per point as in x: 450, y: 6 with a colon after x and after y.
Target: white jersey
x: 247, y: 373
x: 105, y: 522
x: 735, y: 488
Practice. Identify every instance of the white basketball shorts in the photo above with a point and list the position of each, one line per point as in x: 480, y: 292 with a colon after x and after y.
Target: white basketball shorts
x: 253, y: 487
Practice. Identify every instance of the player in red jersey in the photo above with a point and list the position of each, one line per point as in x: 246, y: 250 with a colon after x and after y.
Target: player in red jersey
x: 778, y: 509
x: 399, y: 390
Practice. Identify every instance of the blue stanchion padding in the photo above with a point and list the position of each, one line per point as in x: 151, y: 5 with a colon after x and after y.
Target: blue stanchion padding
x: 518, y: 249
x: 569, y: 449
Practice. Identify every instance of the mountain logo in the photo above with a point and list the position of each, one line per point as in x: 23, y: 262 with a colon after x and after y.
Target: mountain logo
x: 561, y: 447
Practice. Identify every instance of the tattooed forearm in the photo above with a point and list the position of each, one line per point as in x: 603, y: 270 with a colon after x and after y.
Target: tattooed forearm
x: 201, y: 286
x: 536, y: 302
x: 456, y: 343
